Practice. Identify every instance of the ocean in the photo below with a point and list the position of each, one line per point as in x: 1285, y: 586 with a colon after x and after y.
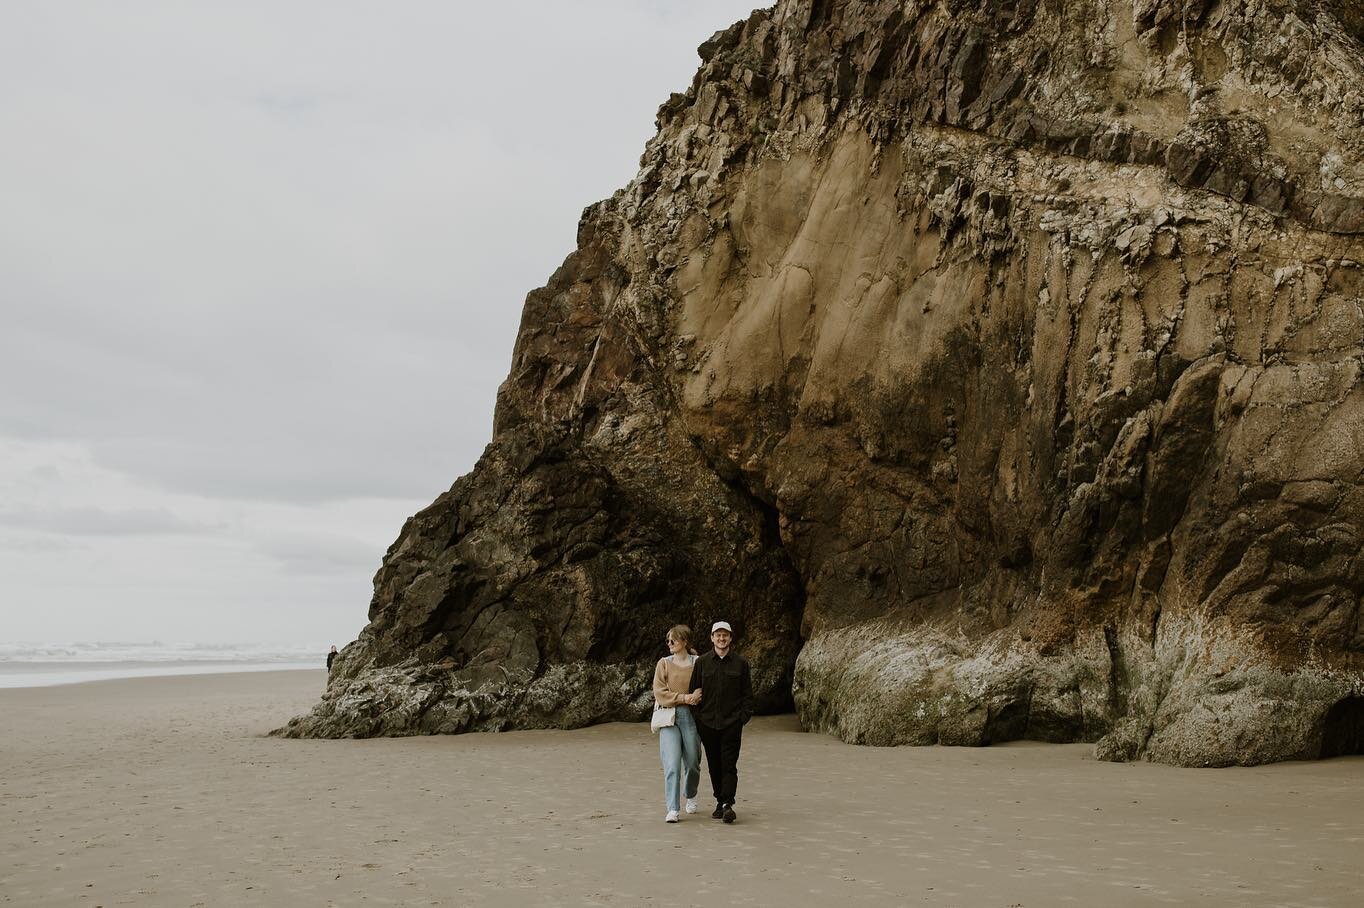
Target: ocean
x: 45, y: 664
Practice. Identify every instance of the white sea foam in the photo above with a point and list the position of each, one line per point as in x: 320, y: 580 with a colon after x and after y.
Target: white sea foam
x: 46, y: 664
x: 156, y: 651
x: 47, y: 674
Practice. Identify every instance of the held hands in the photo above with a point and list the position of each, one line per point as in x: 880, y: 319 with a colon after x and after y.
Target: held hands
x: 694, y: 697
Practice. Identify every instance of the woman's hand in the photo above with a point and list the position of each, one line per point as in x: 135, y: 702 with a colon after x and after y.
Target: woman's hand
x: 694, y: 697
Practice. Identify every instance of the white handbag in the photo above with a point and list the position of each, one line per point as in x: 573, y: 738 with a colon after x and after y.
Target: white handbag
x: 664, y: 717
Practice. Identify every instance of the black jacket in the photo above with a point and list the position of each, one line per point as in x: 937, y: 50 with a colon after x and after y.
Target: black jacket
x: 726, y: 690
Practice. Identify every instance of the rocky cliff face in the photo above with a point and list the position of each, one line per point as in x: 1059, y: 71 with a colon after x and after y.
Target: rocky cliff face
x: 994, y: 366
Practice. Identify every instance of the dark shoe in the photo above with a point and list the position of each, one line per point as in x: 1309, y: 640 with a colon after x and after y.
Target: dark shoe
x: 718, y: 812
x: 729, y: 813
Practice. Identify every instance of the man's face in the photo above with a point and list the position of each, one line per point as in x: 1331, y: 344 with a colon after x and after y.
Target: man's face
x: 720, y: 638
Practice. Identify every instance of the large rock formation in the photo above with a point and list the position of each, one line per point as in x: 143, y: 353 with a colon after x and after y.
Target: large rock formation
x: 994, y: 366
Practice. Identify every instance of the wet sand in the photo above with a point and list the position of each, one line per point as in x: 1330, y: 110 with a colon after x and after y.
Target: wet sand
x: 163, y: 791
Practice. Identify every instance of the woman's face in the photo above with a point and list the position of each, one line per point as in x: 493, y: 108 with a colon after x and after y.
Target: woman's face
x: 675, y: 646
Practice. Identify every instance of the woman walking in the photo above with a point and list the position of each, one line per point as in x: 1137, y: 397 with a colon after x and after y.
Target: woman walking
x: 679, y: 745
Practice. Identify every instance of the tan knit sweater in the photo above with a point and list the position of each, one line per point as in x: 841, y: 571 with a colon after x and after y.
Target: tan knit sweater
x: 671, y: 680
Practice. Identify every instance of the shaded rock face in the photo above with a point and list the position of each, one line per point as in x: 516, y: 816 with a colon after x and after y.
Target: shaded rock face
x: 995, y: 367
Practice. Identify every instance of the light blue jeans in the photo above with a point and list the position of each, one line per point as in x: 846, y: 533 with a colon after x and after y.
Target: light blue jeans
x: 679, y: 747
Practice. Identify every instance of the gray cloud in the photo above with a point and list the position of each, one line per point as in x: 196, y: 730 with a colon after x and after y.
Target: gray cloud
x: 320, y: 553
x: 101, y: 522
x: 280, y: 252
x: 38, y: 544
x: 267, y: 261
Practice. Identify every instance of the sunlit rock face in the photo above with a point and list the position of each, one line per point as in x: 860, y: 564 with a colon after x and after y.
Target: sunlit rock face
x: 995, y: 367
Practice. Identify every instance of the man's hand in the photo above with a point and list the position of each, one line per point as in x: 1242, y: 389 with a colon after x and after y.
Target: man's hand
x: 694, y: 697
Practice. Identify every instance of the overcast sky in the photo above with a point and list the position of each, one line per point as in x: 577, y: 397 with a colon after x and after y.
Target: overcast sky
x: 261, y: 268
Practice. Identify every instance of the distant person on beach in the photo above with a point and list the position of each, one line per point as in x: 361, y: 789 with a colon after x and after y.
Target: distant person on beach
x: 679, y: 746
x: 723, y: 677
x: 331, y: 657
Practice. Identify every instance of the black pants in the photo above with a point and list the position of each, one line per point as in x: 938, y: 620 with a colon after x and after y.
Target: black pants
x: 722, y: 759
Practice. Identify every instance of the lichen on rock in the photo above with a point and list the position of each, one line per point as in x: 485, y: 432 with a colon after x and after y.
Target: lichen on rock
x: 995, y: 367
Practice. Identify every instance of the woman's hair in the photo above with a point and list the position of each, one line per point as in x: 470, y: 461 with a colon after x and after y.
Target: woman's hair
x: 682, y: 634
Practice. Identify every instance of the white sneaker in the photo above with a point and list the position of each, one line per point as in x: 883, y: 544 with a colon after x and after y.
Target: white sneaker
x: 672, y: 817
x: 691, y: 805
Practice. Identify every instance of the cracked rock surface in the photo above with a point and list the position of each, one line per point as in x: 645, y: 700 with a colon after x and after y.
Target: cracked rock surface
x: 995, y: 367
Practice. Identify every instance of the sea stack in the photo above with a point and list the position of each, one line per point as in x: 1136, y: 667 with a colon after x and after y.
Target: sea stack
x: 994, y: 367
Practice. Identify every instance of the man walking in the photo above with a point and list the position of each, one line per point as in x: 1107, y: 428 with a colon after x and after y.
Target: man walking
x: 726, y: 704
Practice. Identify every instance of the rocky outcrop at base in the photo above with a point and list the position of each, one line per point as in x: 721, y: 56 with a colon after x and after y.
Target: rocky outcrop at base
x: 995, y: 367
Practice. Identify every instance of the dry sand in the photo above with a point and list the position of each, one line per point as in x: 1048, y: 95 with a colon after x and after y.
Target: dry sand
x: 164, y: 791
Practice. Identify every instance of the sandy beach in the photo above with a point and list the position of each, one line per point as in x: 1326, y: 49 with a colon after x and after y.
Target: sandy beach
x: 164, y: 791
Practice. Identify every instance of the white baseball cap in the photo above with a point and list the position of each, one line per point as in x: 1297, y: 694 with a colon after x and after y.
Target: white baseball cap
x: 721, y: 626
